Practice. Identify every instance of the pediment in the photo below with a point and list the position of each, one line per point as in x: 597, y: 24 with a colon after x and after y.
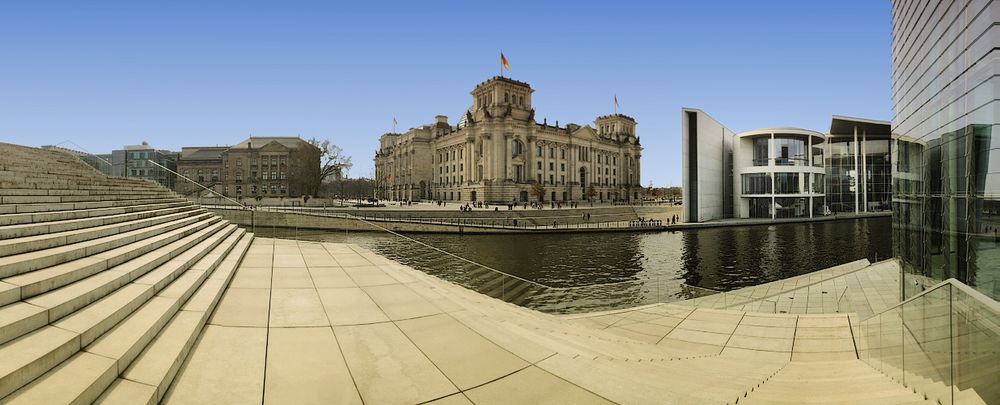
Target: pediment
x: 273, y: 146
x: 585, y: 132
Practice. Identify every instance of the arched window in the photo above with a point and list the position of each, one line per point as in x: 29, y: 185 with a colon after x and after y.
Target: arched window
x: 516, y: 147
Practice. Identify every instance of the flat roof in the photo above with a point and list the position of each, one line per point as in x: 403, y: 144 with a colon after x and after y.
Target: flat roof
x: 844, y: 125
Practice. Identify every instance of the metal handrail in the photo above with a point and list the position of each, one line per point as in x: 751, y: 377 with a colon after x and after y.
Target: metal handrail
x: 84, y: 150
x: 429, y: 246
x: 195, y: 182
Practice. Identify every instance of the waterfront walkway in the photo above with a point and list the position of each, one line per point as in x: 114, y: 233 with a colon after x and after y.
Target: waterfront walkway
x: 306, y: 322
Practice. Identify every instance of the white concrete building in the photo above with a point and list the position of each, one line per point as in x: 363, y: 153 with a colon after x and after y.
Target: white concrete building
x: 780, y: 173
x: 783, y: 172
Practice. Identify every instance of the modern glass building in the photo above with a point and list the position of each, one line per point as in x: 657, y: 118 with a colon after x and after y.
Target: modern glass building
x: 946, y: 173
x: 776, y: 173
x: 780, y: 171
x: 859, y: 173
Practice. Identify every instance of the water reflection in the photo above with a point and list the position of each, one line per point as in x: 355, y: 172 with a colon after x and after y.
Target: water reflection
x: 719, y: 258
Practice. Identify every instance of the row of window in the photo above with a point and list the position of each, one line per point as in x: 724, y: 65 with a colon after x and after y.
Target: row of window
x: 273, y: 160
x: 783, y: 183
x: 608, y: 128
x: 508, y: 98
x: 517, y: 148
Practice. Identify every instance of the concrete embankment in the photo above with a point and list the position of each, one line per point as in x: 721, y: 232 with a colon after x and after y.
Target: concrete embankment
x: 529, y: 216
x: 755, y: 221
x: 481, y: 222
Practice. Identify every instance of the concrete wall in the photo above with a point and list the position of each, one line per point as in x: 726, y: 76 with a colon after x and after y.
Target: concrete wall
x: 706, y: 176
x: 268, y: 219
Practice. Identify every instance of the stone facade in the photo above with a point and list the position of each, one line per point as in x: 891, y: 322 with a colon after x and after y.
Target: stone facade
x: 202, y: 164
x: 270, y: 167
x: 497, y: 152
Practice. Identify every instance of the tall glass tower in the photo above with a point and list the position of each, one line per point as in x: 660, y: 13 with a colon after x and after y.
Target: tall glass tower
x: 946, y: 163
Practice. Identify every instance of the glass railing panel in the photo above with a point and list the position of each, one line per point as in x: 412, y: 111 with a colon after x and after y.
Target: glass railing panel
x: 891, y: 343
x: 976, y: 355
x: 926, y: 338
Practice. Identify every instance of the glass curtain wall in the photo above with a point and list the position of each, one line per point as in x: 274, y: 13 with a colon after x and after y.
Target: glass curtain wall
x: 877, y: 175
x: 757, y: 183
x: 760, y: 148
x: 945, y: 117
x: 842, y: 179
x: 946, y: 223
x: 790, y: 152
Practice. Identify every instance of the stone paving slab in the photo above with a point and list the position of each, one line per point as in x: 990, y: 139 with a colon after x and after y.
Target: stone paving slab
x: 305, y: 366
x: 225, y: 367
x: 338, y: 324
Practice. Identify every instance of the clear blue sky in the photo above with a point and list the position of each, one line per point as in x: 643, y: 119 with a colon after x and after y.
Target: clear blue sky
x: 188, y: 73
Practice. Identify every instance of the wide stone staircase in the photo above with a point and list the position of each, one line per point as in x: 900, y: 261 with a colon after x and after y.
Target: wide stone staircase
x: 100, y: 278
x: 675, y: 369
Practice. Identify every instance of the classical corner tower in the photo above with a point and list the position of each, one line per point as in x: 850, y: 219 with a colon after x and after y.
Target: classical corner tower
x: 500, y: 97
x: 619, y: 127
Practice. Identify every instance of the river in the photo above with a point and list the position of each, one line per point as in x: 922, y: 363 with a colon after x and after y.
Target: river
x: 640, y: 267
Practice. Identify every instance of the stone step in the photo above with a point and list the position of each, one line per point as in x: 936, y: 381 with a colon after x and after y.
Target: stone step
x: 38, y: 219
x: 42, y: 280
x: 25, y: 262
x: 32, y: 229
x: 110, y: 190
x: 31, y: 355
x: 54, y: 186
x: 75, y: 291
x: 113, y: 192
x: 50, y: 199
x: 158, y: 364
x: 125, y: 392
x: 92, y: 321
x: 47, y: 207
x: 81, y: 379
x: 28, y: 179
x: 124, y: 343
x: 26, y: 244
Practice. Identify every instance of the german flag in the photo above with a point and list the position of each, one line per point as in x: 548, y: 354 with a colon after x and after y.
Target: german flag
x: 503, y: 61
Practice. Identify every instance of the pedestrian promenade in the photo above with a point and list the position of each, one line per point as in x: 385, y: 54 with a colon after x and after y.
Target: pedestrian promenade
x: 306, y: 322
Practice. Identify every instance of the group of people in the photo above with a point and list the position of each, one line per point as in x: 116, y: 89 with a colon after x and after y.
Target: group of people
x: 645, y: 223
x: 510, y: 206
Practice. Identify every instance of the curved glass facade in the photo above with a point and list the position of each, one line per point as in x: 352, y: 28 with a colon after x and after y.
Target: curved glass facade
x: 790, y: 151
x: 946, y: 178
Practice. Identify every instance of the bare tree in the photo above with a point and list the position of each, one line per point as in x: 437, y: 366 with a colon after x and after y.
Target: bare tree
x: 333, y: 163
x: 673, y: 193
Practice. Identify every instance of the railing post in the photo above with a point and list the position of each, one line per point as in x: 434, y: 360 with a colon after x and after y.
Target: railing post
x: 951, y: 342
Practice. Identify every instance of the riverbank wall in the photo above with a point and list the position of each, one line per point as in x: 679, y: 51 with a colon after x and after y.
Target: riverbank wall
x: 757, y: 221
x: 317, y: 220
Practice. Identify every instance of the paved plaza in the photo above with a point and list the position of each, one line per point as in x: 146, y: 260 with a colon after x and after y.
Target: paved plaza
x: 306, y: 322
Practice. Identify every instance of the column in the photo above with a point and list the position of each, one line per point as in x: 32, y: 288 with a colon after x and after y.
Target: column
x: 864, y: 170
x: 507, y: 164
x: 857, y: 179
x: 529, y: 161
x: 771, y: 161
